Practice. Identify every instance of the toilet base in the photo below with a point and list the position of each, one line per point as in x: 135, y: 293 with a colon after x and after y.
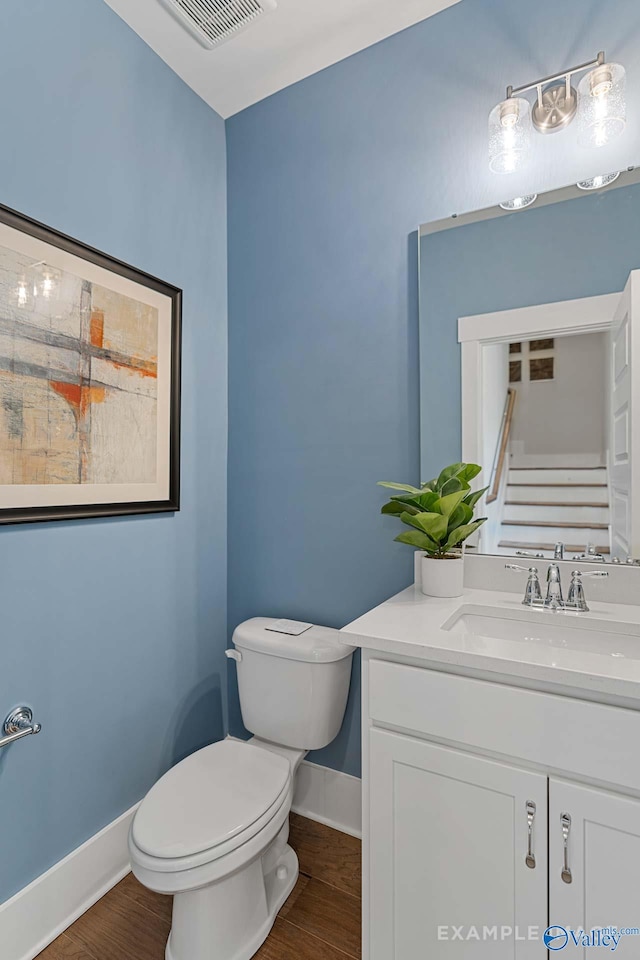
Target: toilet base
x: 230, y: 920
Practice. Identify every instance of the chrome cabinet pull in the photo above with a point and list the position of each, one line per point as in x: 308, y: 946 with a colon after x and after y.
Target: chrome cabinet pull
x: 530, y: 859
x: 565, y: 820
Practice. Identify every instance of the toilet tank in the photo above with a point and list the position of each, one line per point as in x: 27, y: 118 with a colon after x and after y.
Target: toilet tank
x: 293, y: 689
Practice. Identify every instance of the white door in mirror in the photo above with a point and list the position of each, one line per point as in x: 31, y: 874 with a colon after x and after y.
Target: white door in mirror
x: 623, y: 442
x: 442, y: 578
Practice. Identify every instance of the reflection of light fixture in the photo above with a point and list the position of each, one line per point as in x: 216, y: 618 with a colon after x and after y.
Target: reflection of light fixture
x: 602, y: 116
x: 45, y: 281
x: 599, y: 105
x: 22, y: 293
x: 47, y: 285
x: 509, y: 135
x: 596, y: 183
x: 519, y: 203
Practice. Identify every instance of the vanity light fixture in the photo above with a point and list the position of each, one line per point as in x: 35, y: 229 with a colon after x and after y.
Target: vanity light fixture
x: 519, y: 203
x: 596, y: 183
x: 599, y: 103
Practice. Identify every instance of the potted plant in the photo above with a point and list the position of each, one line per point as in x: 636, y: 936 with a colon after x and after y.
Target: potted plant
x: 440, y: 513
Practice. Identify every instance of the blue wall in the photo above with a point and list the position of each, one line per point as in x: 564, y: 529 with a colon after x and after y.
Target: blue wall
x: 122, y: 622
x: 507, y: 263
x: 114, y: 630
x: 327, y: 181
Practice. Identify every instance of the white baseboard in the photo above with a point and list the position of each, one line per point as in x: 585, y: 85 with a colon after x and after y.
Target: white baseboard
x: 330, y: 797
x: 39, y: 913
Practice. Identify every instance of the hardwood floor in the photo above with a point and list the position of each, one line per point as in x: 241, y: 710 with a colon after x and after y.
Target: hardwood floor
x: 319, y: 921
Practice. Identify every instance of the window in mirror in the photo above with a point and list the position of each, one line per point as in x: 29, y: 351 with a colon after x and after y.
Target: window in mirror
x: 547, y: 344
x: 515, y: 348
x: 515, y: 371
x: 541, y: 368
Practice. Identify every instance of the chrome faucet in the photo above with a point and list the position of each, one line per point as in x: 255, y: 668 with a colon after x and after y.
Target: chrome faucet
x: 554, y: 600
x: 590, y: 553
x: 558, y: 552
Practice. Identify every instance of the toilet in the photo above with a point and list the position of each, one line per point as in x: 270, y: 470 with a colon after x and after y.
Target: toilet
x: 214, y: 830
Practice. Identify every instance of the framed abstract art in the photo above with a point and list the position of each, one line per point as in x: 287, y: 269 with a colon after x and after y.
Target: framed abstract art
x: 89, y: 381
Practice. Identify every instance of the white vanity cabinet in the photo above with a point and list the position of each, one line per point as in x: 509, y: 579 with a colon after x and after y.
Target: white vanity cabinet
x: 448, y: 848
x: 466, y: 784
x: 603, y: 855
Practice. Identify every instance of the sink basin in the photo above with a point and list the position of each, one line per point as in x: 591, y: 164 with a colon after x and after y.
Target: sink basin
x: 569, y: 631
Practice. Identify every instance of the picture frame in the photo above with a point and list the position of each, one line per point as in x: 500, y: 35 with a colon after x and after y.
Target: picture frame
x: 90, y: 367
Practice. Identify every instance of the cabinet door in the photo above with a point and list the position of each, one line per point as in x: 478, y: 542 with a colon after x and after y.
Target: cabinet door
x: 448, y: 836
x: 600, y: 884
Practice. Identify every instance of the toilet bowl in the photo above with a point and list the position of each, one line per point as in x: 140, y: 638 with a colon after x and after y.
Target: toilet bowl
x: 213, y: 831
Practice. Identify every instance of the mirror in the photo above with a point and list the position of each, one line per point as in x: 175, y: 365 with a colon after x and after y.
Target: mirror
x: 530, y: 366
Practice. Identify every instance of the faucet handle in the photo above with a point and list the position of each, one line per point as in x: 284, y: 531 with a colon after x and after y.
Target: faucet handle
x: 576, y: 599
x: 578, y: 575
x: 532, y: 592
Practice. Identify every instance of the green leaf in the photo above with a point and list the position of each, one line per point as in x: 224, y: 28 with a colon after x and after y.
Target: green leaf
x: 469, y: 471
x: 410, y: 501
x: 399, y: 486
x: 453, y: 485
x: 394, y: 508
x: 427, y: 500
x: 462, y: 533
x: 424, y: 502
x: 460, y: 516
x: 433, y: 524
x: 472, y: 498
x: 447, y: 473
x: 416, y: 539
x: 446, y: 505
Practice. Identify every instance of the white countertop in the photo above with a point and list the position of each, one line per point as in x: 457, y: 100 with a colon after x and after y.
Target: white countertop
x: 411, y: 625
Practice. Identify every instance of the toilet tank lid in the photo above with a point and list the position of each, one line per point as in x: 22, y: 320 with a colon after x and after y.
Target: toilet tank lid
x: 314, y: 645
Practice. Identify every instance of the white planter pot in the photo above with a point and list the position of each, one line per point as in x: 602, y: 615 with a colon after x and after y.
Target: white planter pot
x: 442, y: 578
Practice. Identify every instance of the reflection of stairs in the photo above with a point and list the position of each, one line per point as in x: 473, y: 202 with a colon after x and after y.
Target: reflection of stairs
x: 546, y: 504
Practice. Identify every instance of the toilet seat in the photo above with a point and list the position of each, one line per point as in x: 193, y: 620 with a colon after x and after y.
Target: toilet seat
x: 209, y: 805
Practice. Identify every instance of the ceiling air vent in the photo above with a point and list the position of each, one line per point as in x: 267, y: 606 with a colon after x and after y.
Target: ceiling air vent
x: 212, y: 22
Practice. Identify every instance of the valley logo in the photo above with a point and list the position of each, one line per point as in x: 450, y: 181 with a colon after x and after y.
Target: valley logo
x: 557, y: 938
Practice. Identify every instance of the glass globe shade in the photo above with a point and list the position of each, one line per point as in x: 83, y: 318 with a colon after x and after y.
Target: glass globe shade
x: 509, y: 135
x: 602, y: 108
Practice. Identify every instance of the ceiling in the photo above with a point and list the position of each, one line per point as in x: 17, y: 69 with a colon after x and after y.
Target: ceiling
x: 299, y: 38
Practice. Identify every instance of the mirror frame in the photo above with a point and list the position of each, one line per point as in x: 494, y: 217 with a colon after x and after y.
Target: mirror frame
x: 572, y: 192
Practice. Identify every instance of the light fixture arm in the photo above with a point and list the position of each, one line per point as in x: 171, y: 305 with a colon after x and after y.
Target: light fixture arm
x: 564, y: 75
